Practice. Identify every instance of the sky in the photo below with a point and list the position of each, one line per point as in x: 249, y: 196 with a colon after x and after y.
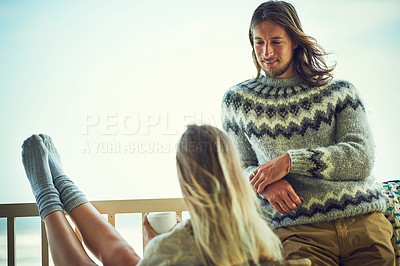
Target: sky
x: 115, y: 83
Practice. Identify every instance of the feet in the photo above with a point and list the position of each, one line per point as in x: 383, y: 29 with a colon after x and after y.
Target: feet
x: 34, y: 158
x: 35, y: 161
x: 70, y: 195
x: 54, y: 157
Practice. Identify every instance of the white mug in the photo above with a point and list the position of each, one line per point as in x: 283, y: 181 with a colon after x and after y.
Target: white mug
x: 162, y: 222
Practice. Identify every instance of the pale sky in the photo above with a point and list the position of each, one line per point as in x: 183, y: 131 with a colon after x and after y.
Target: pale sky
x: 115, y: 82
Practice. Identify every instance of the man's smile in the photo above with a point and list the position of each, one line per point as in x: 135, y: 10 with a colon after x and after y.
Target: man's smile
x: 270, y: 62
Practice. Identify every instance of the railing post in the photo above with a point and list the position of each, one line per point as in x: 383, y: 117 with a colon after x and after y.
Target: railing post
x: 144, y: 244
x: 11, y: 240
x: 45, y: 246
x: 111, y: 219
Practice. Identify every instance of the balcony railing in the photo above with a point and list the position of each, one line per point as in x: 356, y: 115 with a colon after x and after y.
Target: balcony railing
x: 109, y: 207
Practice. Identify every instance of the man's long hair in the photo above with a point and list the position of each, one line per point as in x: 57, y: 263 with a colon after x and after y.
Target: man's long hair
x: 308, y: 57
x: 226, y: 218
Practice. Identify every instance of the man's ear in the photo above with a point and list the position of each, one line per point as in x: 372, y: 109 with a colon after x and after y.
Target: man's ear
x: 295, y: 45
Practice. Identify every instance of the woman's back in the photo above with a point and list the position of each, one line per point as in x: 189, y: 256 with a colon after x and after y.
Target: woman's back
x: 227, y: 225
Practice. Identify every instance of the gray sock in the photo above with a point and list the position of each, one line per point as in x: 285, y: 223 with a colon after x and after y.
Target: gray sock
x: 70, y: 194
x: 35, y: 160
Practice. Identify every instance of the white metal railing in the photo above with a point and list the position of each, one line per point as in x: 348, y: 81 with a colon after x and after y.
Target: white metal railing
x: 109, y: 207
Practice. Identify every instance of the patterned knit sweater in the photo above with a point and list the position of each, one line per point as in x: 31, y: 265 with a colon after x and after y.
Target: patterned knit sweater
x: 326, y: 133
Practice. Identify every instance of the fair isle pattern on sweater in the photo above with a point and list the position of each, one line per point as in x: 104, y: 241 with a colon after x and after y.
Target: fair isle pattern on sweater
x: 326, y: 133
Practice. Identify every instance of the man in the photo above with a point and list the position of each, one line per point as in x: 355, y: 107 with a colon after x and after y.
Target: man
x: 306, y: 147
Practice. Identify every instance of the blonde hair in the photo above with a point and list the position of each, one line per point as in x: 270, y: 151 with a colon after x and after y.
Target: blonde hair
x: 225, y: 216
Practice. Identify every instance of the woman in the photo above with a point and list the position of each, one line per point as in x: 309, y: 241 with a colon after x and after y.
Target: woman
x: 225, y: 226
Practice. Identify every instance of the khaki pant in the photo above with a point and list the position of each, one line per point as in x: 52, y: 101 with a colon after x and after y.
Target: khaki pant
x: 360, y: 240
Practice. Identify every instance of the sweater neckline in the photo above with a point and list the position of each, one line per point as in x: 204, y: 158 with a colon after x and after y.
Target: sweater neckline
x: 283, y: 83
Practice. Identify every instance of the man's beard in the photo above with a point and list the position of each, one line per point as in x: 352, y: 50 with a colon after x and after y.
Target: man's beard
x: 278, y: 72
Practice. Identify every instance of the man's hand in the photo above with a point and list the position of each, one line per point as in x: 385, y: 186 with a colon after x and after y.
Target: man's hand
x: 282, y: 197
x: 269, y: 172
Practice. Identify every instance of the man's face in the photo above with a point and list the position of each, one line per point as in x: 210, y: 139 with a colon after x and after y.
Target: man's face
x: 274, y: 50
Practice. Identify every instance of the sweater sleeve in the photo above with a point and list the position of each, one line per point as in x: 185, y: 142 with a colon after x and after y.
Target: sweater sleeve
x: 232, y: 127
x: 172, y: 248
x: 351, y: 157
